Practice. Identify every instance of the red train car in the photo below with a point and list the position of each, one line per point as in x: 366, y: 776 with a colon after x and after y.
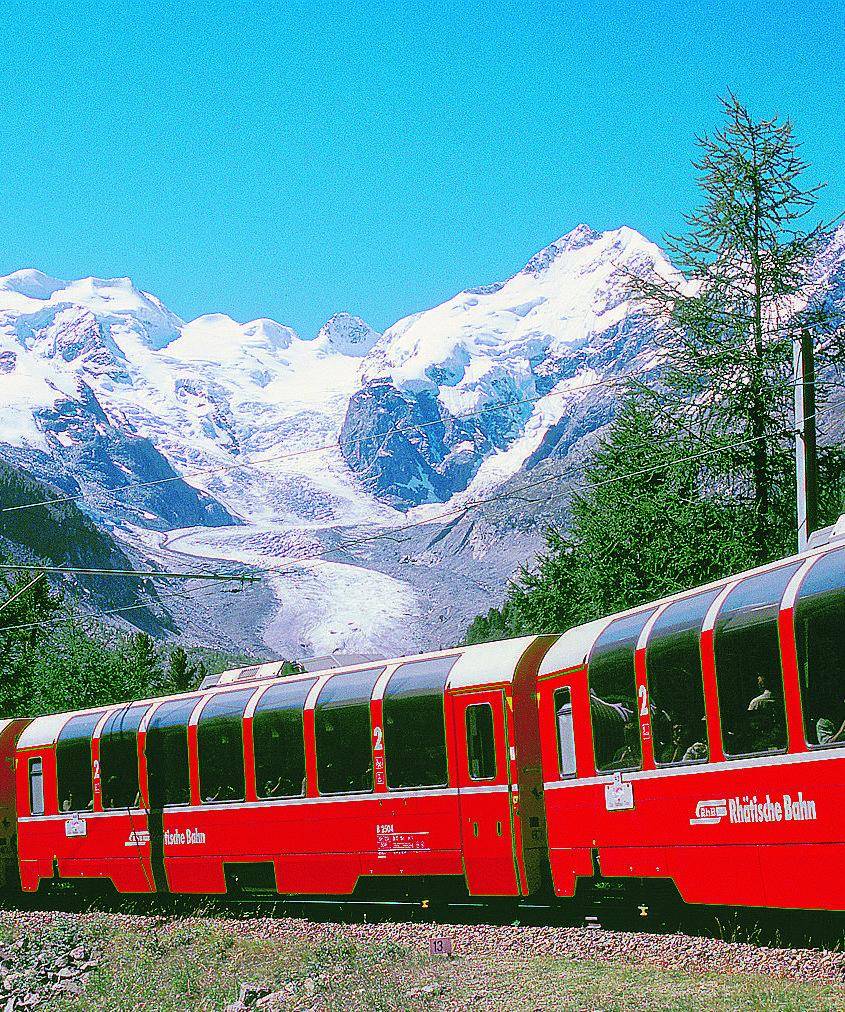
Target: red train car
x: 399, y: 769
x: 698, y: 740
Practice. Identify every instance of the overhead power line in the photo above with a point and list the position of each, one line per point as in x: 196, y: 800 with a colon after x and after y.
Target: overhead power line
x: 123, y: 609
x: 21, y: 592
x: 457, y: 511
x: 153, y: 574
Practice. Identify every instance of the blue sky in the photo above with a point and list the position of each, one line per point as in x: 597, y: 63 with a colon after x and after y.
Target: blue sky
x: 294, y: 160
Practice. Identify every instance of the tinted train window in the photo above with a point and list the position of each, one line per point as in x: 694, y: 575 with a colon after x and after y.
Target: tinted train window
x: 676, y: 687
x: 220, y: 747
x: 279, y: 740
x: 820, y: 638
x: 73, y: 763
x: 166, y: 747
x: 748, y: 671
x: 36, y: 787
x: 481, y: 742
x: 344, y: 737
x: 119, y: 757
x: 565, y: 732
x: 613, y: 694
x: 415, y: 725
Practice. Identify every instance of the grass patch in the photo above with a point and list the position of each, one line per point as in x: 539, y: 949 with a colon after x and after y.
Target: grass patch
x: 169, y: 965
x: 615, y: 987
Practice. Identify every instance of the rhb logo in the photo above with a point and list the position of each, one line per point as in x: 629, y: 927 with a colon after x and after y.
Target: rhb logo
x: 753, y: 808
x: 710, y: 813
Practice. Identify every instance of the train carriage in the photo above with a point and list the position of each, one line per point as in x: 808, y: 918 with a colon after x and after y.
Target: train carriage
x: 699, y: 739
x: 403, y: 769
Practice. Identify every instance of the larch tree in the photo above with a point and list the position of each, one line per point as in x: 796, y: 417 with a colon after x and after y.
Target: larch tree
x: 747, y: 287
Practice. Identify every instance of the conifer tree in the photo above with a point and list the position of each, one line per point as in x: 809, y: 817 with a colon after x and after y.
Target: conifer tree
x: 28, y: 607
x: 182, y: 675
x: 143, y: 664
x: 746, y: 290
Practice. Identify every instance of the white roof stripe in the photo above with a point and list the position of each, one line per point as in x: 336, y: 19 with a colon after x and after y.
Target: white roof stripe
x: 573, y: 648
x: 791, y: 592
x: 43, y: 730
x: 709, y: 622
x: 642, y: 642
x: 484, y: 663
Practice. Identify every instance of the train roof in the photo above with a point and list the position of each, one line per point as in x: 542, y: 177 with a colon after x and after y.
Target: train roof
x: 478, y: 665
x: 573, y: 648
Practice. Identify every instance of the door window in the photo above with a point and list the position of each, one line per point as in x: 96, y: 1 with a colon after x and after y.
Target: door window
x: 36, y: 787
x: 565, y: 732
x: 481, y: 742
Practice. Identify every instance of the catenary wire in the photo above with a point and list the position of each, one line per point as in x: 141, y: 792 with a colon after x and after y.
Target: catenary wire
x: 59, y: 619
x: 140, y: 573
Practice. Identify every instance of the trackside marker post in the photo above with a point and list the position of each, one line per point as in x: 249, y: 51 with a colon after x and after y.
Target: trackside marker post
x: 440, y: 945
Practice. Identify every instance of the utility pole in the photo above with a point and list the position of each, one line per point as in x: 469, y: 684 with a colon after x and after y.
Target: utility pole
x: 806, y: 458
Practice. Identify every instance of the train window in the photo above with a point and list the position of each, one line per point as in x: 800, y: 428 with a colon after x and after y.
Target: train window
x: 415, y: 725
x: 168, y: 772
x: 481, y: 742
x: 748, y: 671
x: 119, y: 757
x: 36, y: 787
x: 565, y: 732
x: 676, y: 688
x: 279, y: 740
x: 343, y: 733
x: 820, y: 638
x: 220, y: 746
x: 613, y: 694
x: 73, y: 763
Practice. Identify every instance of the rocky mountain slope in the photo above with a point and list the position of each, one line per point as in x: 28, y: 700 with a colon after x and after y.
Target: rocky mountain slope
x: 340, y: 462
x: 60, y: 535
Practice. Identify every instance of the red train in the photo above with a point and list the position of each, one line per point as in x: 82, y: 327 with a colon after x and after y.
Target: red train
x: 699, y: 741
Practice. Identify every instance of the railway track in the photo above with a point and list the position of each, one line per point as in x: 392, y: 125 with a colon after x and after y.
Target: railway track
x: 612, y: 913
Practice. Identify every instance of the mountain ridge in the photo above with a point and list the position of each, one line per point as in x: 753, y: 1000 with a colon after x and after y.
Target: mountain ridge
x: 248, y: 443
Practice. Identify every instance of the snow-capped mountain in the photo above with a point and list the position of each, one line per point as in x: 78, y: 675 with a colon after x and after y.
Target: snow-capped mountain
x: 248, y: 443
x: 537, y: 343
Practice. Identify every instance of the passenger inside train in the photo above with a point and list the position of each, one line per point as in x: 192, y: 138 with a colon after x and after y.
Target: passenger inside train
x: 830, y: 730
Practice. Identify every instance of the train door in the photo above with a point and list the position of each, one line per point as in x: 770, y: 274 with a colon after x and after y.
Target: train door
x: 488, y: 827
x: 10, y: 731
